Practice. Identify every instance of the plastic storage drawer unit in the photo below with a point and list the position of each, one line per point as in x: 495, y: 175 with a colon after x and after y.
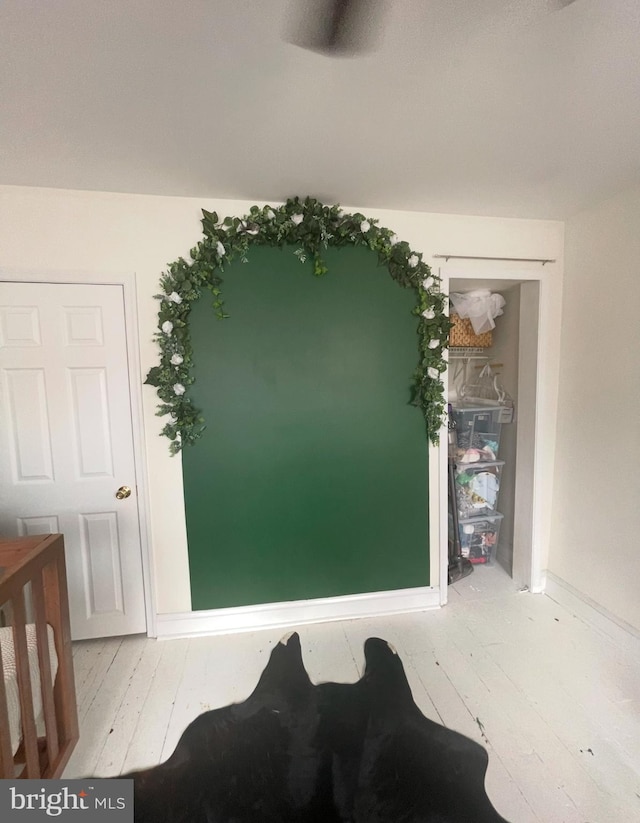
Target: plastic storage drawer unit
x: 479, y: 537
x: 477, y: 487
x: 477, y: 431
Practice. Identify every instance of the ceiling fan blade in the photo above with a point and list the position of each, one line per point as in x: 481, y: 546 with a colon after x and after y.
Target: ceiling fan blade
x: 337, y: 22
x: 336, y: 26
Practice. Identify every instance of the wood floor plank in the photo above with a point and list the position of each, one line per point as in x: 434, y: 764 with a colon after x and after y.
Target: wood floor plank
x: 86, y: 654
x: 123, y: 728
x: 150, y: 731
x: 578, y: 731
x: 217, y: 671
x: 100, y: 707
x: 439, y: 699
x: 105, y: 655
x: 519, y: 735
x: 471, y: 706
x: 549, y: 659
x: 327, y: 655
x: 554, y: 699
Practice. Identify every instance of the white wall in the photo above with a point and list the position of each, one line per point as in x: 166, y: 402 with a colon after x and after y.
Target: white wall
x: 53, y: 230
x: 596, y: 513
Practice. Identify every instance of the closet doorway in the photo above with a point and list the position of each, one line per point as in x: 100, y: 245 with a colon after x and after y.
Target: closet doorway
x: 515, y: 355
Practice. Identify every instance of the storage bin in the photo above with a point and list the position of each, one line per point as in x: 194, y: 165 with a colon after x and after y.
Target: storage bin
x: 477, y: 431
x: 479, y: 537
x: 462, y: 335
x: 477, y: 488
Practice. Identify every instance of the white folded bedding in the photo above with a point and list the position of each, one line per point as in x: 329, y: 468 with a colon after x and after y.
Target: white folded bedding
x: 11, y: 679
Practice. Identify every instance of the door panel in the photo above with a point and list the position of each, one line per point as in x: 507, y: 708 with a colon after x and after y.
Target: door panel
x: 28, y: 526
x: 29, y: 426
x: 101, y: 563
x: 66, y: 434
x: 92, y: 427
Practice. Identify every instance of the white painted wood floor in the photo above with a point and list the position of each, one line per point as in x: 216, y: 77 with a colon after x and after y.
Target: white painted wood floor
x: 554, y: 698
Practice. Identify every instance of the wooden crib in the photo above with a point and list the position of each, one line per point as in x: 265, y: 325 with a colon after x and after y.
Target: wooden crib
x: 34, y: 602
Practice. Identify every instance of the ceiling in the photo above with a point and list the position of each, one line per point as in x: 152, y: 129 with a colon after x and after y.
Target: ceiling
x: 501, y: 107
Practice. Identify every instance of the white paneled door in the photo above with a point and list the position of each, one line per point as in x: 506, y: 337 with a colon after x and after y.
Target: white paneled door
x: 67, y: 460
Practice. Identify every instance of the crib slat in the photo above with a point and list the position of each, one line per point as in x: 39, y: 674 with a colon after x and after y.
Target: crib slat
x: 23, y: 560
x: 57, y: 607
x: 29, y: 735
x: 44, y: 660
x: 6, y: 755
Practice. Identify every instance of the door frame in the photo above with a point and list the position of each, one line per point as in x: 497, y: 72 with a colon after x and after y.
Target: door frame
x: 127, y: 281
x: 544, y: 356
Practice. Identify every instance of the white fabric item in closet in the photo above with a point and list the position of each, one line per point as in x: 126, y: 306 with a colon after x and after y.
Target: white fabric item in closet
x: 480, y: 306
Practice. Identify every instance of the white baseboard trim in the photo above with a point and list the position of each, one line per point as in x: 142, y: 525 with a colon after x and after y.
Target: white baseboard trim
x: 296, y: 612
x: 589, y: 610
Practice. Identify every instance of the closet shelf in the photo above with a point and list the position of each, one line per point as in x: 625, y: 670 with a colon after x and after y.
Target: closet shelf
x: 467, y: 353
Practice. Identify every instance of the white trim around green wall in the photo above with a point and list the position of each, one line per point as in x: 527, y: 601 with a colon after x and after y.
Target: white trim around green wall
x: 297, y: 612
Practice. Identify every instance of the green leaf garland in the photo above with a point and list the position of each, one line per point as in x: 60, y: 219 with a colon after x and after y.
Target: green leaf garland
x: 311, y: 227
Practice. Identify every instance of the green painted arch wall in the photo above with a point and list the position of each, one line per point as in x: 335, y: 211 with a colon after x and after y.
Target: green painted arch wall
x: 311, y: 479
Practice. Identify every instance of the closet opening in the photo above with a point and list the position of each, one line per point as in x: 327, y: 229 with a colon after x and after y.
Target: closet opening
x: 491, y: 462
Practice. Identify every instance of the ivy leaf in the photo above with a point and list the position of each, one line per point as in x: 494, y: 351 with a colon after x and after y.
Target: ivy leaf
x: 154, y: 377
x: 322, y: 226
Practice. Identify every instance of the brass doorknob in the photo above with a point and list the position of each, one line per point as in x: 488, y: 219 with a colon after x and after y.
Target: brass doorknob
x: 123, y: 492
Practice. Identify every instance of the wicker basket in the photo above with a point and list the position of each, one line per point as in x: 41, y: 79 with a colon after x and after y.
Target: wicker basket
x: 463, y: 335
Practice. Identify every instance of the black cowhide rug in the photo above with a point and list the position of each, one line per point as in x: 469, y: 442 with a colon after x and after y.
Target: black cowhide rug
x: 294, y: 752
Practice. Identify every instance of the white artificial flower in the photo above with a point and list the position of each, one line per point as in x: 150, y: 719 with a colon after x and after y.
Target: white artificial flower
x: 176, y: 359
x: 393, y: 239
x: 270, y: 215
x: 178, y: 388
x: 433, y: 373
x: 167, y: 327
x: 428, y: 314
x: 296, y: 219
x: 427, y: 283
x: 340, y: 214
x: 365, y: 226
x: 174, y: 297
x: 433, y: 343
x: 249, y: 228
x: 413, y: 260
x: 221, y: 249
